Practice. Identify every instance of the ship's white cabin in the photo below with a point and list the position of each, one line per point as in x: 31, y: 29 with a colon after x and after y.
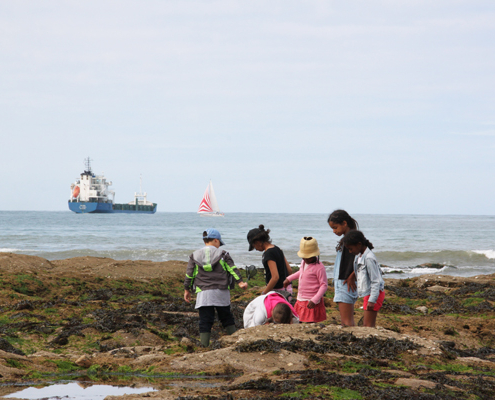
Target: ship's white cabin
x: 93, y: 188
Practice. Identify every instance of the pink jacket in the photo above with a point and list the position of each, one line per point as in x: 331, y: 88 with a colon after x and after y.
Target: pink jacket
x: 313, y: 281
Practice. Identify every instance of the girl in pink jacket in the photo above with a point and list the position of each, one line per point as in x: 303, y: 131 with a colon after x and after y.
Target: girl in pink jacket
x: 313, y: 283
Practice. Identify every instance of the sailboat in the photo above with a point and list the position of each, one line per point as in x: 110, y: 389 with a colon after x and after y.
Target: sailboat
x: 209, y: 206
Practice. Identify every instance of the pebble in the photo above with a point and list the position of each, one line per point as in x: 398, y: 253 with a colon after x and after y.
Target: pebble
x: 186, y: 341
x: 423, y: 309
x: 83, y: 361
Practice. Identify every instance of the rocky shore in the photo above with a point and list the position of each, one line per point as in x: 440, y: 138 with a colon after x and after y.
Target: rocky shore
x: 98, y: 320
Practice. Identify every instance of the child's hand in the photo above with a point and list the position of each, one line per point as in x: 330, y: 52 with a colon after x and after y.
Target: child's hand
x: 351, y: 282
x: 187, y: 296
x: 311, y: 305
x: 243, y: 285
x: 286, y: 283
x: 370, y: 306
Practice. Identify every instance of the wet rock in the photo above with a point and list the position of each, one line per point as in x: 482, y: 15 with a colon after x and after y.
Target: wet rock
x: 186, y: 341
x: 10, y: 373
x: 450, y: 331
x: 84, y: 361
x: 437, y: 288
x: 100, y: 294
x: 11, y: 356
x: 249, y: 362
x: 474, y: 360
x: 148, y: 359
x: 398, y: 372
x: 422, y: 309
x: 125, y: 352
x: 46, y: 354
x: 407, y: 292
x: 7, y: 347
x: 415, y: 383
x: 109, y: 345
x: 24, y: 305
x: 398, y: 309
x: 60, y: 340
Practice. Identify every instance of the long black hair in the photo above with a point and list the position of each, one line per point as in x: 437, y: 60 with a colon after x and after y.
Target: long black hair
x: 258, y: 234
x: 355, y: 237
x: 339, y: 217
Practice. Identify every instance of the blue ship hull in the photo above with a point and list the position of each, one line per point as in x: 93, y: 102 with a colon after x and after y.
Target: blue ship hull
x: 84, y: 207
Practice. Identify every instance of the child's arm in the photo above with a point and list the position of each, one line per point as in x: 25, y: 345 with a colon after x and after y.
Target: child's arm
x: 294, y: 276
x: 287, y: 265
x: 375, y: 278
x: 321, y: 276
x: 233, y: 270
x: 291, y: 278
x: 189, y: 280
x: 274, y: 271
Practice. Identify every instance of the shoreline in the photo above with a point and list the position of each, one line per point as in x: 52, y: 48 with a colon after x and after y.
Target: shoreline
x: 389, y: 271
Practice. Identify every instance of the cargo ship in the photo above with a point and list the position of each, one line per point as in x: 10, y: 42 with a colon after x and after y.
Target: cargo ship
x: 91, y: 194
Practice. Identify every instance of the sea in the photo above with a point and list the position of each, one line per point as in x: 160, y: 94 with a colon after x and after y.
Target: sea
x: 405, y: 245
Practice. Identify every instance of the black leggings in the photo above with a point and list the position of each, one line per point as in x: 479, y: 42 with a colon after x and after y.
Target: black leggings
x: 207, y: 317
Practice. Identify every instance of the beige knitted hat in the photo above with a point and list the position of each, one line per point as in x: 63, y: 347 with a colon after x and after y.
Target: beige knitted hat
x: 308, y: 247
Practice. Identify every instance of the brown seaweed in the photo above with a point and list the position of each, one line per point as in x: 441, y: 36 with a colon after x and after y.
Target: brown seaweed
x: 345, y: 343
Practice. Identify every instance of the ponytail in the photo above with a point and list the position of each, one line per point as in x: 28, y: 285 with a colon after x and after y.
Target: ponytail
x: 356, y: 237
x: 339, y: 216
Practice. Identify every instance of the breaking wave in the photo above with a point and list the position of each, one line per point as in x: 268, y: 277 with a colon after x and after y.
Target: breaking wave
x: 456, y: 258
x: 487, y: 253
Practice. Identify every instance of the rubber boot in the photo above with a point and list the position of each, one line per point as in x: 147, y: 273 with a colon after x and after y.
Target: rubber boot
x: 230, y: 329
x: 205, y: 338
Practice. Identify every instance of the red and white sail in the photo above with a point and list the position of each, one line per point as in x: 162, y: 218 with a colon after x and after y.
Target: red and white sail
x: 209, y: 205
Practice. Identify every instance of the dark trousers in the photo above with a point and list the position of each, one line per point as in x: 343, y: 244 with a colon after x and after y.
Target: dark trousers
x: 207, y: 317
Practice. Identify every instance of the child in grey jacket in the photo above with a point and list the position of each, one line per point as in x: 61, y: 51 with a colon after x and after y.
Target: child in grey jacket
x: 370, y: 283
x: 211, y: 272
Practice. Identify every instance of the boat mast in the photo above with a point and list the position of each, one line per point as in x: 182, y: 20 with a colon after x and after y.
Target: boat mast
x: 87, y: 164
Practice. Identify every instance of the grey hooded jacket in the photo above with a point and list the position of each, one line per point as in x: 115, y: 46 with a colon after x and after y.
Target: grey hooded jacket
x: 211, y: 268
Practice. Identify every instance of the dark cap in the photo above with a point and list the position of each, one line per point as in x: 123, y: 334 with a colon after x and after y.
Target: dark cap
x: 251, y: 236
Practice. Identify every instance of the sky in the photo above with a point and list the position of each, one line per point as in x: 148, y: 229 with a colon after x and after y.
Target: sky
x: 377, y: 107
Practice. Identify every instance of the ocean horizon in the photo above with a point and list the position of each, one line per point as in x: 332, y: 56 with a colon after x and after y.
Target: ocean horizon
x: 406, y: 245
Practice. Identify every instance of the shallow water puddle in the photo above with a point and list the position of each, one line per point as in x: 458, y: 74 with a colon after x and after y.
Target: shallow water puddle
x: 75, y: 391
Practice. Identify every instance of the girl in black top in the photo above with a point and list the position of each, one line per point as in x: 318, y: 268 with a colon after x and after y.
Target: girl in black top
x: 276, y: 266
x: 344, y: 279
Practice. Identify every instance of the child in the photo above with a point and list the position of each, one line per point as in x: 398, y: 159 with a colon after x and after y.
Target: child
x: 313, y: 283
x: 211, y: 272
x: 269, y: 308
x: 370, y: 283
x: 344, y: 278
x: 276, y: 266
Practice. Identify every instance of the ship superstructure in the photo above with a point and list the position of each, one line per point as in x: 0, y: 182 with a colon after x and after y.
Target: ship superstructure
x: 91, y: 194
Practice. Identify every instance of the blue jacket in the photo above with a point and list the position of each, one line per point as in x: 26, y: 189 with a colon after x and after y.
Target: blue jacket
x: 369, y: 276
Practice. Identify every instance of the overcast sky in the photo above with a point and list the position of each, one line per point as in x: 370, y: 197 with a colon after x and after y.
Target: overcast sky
x: 288, y: 106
